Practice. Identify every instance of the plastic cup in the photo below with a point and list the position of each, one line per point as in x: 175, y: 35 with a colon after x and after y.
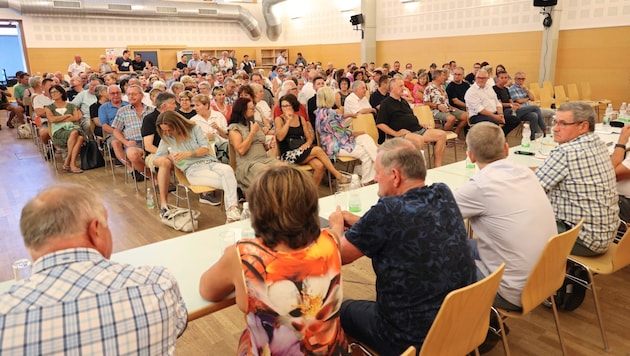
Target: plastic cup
x: 21, y: 269
x: 228, y: 238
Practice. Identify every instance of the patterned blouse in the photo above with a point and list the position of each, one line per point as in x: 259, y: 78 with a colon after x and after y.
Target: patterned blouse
x: 293, y: 299
x: 333, y: 135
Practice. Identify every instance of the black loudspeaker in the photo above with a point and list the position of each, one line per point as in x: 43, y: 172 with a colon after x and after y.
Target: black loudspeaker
x: 356, y: 19
x: 547, y: 21
x: 545, y: 3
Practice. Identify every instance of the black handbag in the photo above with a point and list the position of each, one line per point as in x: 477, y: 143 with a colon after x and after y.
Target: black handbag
x: 91, y: 156
x: 296, y: 142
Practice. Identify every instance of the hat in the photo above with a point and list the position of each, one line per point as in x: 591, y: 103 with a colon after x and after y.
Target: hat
x: 22, y: 75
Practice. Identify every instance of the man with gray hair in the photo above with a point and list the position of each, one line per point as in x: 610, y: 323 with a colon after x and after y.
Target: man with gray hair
x: 508, y: 210
x: 77, y: 301
x: 579, y: 179
x: 83, y: 101
x: 406, y: 235
x: 357, y: 103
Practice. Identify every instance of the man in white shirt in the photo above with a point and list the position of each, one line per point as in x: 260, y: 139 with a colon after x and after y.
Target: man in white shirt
x: 204, y: 66
x: 508, y: 210
x: 192, y: 63
x: 357, y: 103
x: 83, y: 101
x: 307, y: 90
x: 78, y: 66
x: 483, y: 104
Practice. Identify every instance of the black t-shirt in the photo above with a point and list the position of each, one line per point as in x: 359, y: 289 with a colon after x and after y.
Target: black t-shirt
x: 470, y: 78
x: 123, y: 65
x: 181, y: 65
x: 138, y: 66
x: 71, y: 93
x: 3, y: 98
x: 454, y: 90
x: 376, y: 98
x: 503, y: 94
x: 398, y: 115
x: 149, y: 128
x: 188, y: 115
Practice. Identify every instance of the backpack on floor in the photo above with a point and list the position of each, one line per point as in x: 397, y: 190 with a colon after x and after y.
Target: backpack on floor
x: 571, y: 295
x: 24, y: 131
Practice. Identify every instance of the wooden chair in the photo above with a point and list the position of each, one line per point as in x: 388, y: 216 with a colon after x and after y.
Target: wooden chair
x: 546, y: 98
x: 572, y: 91
x: 366, y: 123
x: 535, y: 89
x: 461, y: 324
x: 561, y: 97
x: 426, y: 119
x: 616, y: 258
x: 182, y: 182
x: 547, y: 84
x: 587, y: 94
x: 350, y: 162
x: 543, y: 282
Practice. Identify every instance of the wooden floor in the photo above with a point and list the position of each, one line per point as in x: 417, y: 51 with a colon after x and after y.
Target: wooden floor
x: 24, y: 173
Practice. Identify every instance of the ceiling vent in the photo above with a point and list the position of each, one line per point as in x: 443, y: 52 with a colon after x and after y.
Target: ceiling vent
x: 166, y: 10
x: 119, y: 7
x: 66, y: 4
x: 208, y: 12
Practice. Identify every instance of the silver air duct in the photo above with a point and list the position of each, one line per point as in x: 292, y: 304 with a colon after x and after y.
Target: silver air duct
x: 139, y: 9
x: 274, y: 25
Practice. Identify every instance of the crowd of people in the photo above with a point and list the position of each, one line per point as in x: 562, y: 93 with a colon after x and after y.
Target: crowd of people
x: 288, y: 279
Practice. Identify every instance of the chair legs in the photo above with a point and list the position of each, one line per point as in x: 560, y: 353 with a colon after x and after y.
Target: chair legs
x: 591, y: 286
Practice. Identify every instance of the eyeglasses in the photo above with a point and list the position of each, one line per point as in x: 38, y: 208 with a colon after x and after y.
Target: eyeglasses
x: 519, y: 78
x: 482, y: 78
x: 564, y: 124
x: 53, y: 92
x: 286, y: 106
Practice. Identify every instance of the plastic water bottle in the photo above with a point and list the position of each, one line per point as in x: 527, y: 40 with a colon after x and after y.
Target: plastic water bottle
x: 469, y: 163
x: 525, y: 141
x: 180, y: 163
x: 245, y: 214
x: 150, y: 201
x: 607, y: 115
x: 354, y: 198
x: 623, y: 111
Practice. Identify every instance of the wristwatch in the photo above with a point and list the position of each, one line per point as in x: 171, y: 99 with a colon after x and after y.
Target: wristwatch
x: 620, y: 146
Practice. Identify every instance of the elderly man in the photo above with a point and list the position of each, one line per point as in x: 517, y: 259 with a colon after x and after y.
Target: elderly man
x: 436, y: 98
x: 456, y: 90
x: 522, y: 96
x: 77, y: 301
x: 289, y: 87
x: 395, y: 118
x: 127, y: 129
x: 529, y: 113
x: 204, y: 66
x: 231, y: 93
x: 192, y: 63
x: 357, y: 103
x: 580, y: 180
x: 414, y: 271
x: 483, y: 104
x: 84, y: 100
x: 106, y: 115
x: 508, y: 211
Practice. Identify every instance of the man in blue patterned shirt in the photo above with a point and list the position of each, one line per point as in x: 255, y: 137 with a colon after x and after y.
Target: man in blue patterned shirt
x: 77, y: 302
x: 579, y: 180
x: 416, y: 239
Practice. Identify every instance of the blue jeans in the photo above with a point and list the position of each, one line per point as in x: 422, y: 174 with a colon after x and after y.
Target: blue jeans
x: 532, y: 114
x: 359, y: 319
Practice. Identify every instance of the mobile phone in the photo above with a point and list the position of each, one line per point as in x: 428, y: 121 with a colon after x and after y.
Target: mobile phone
x: 526, y: 153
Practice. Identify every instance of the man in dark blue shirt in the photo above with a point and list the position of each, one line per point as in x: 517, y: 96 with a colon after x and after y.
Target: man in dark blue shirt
x: 416, y: 239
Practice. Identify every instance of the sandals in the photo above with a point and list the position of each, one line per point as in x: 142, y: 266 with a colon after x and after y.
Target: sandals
x: 66, y: 168
x: 344, y: 180
x: 76, y: 170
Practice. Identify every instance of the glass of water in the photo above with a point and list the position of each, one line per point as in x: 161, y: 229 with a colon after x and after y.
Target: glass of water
x: 21, y: 269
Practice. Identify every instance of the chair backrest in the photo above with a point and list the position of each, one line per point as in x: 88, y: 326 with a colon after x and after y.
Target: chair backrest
x: 546, y: 98
x: 561, y: 97
x: 462, y: 322
x: 572, y: 91
x: 586, y: 91
x: 366, y: 123
x: 547, y: 84
x: 549, y: 272
x: 424, y: 115
x: 621, y: 258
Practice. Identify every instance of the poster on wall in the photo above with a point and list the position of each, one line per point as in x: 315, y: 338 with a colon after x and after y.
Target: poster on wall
x: 113, y: 53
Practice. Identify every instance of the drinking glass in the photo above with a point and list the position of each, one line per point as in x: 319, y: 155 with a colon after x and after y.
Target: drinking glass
x: 537, y: 144
x: 21, y: 269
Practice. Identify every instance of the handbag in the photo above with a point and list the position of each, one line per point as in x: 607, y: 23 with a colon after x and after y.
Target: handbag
x: 296, y: 142
x: 91, y: 156
x: 179, y: 219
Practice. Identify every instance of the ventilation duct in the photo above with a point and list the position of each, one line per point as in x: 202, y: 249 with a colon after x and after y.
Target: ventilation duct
x: 147, y: 9
x: 274, y: 25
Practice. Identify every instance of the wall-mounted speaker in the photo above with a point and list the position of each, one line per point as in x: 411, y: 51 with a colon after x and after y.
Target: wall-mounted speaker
x: 356, y: 19
x: 545, y: 3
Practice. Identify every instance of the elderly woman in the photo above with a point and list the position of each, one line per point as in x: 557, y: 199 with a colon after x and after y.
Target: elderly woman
x: 65, y: 130
x: 185, y: 104
x: 245, y: 91
x: 184, y: 143
x: 262, y: 113
x: 337, y: 140
x: 248, y: 141
x: 214, y: 125
x: 287, y: 279
x: 344, y: 91
x: 101, y: 98
x: 295, y: 141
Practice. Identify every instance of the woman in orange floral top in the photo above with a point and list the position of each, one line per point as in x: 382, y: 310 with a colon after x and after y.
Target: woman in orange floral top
x: 287, y: 280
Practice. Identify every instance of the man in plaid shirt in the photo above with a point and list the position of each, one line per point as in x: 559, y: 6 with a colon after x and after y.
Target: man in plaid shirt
x: 77, y: 302
x: 580, y: 180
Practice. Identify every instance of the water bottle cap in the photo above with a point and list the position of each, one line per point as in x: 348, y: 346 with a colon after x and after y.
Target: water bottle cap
x: 355, y: 177
x: 245, y: 205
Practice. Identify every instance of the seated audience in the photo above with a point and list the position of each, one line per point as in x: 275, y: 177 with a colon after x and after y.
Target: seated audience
x: 185, y: 104
x: 218, y: 102
x: 529, y: 113
x: 77, y: 301
x: 65, y: 130
x: 338, y: 140
x: 621, y: 162
x: 344, y: 91
x: 357, y: 103
x: 419, y: 88
x: 295, y: 141
x: 483, y: 104
x: 436, y: 98
x: 184, y: 143
x: 416, y: 264
x: 288, y: 279
x: 580, y: 180
x: 101, y: 98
